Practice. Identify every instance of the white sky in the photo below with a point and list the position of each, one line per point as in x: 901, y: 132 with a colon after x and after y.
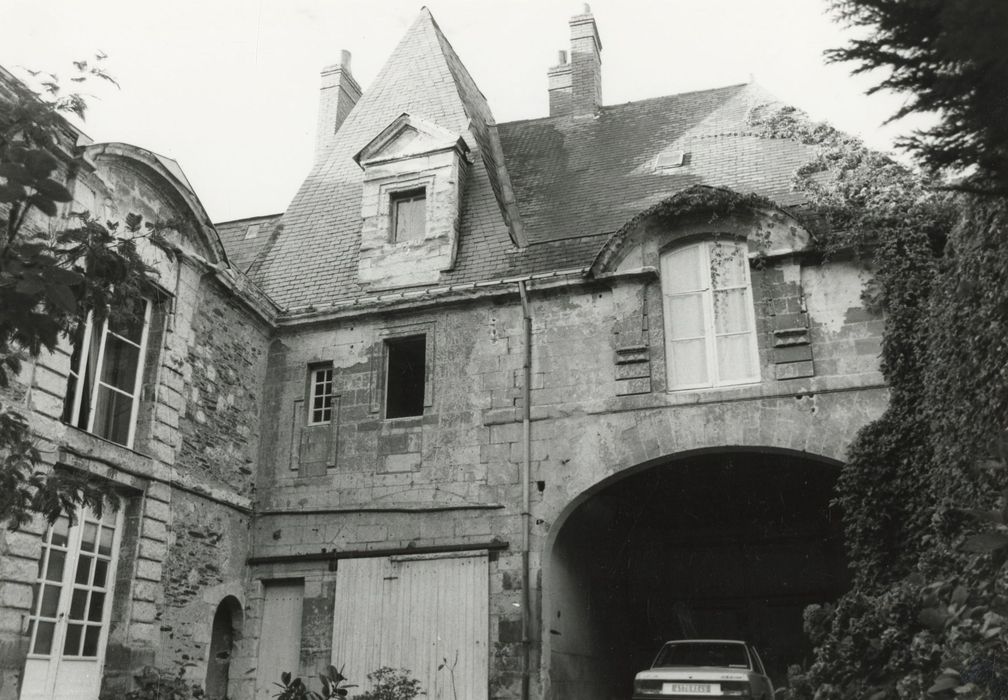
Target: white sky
x: 229, y: 88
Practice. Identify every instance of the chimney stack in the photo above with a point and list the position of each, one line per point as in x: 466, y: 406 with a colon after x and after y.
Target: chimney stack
x: 340, y: 93
x: 575, y: 88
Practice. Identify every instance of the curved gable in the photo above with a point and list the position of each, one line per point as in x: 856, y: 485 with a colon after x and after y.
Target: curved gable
x: 142, y: 182
x: 699, y: 210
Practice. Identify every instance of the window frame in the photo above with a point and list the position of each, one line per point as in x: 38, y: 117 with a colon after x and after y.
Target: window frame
x: 406, y: 195
x: 389, y: 343
x: 73, y: 553
x: 77, y: 372
x: 711, y: 336
x: 314, y: 370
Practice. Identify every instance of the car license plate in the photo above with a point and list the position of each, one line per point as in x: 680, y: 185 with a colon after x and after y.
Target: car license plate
x: 691, y: 688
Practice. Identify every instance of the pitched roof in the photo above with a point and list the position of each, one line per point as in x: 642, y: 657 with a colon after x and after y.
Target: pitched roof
x: 244, y: 238
x: 561, y: 183
x: 314, y: 259
x: 577, y: 176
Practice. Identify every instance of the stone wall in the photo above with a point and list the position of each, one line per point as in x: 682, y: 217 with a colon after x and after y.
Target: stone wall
x: 186, y: 487
x: 453, y: 476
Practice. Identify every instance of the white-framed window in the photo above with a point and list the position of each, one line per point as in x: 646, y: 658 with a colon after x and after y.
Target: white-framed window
x: 408, y: 214
x: 72, y: 604
x: 106, y: 369
x: 710, y: 322
x: 320, y: 388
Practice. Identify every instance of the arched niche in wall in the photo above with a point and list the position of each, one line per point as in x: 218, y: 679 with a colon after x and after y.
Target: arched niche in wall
x: 226, y: 630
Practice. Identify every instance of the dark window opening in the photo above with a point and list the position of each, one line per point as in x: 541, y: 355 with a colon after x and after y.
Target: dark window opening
x: 404, y: 379
x: 409, y: 215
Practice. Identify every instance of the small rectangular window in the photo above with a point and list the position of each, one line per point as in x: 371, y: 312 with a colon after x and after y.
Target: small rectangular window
x: 405, y: 376
x: 321, y: 390
x: 409, y: 215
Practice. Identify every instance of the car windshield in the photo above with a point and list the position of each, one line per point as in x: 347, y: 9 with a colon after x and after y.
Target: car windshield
x: 723, y: 654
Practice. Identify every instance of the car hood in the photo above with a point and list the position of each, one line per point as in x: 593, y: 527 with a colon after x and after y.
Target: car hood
x: 688, y: 673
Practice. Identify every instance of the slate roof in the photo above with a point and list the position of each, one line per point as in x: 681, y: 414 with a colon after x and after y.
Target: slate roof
x: 244, y: 238
x: 577, y: 176
x: 566, y: 182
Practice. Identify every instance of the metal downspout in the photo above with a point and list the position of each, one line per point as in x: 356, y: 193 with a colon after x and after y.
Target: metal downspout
x: 526, y: 479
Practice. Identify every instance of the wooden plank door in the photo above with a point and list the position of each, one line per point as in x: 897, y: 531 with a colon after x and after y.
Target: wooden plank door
x: 279, y: 635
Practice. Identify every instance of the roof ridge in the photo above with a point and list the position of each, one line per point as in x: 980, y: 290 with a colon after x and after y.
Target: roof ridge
x: 247, y: 218
x: 633, y: 102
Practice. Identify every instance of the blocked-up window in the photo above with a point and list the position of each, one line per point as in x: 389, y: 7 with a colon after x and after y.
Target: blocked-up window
x: 710, y: 324
x: 106, y: 367
x: 409, y: 215
x: 320, y: 395
x: 405, y: 376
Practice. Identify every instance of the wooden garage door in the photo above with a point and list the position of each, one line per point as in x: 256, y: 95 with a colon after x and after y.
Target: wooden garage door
x: 279, y: 636
x: 415, y: 612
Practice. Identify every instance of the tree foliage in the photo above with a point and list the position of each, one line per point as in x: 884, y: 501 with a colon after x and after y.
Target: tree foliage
x: 948, y: 57
x: 924, y: 489
x: 56, y: 267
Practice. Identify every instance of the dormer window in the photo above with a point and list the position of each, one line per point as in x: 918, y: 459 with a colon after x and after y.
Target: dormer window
x: 411, y: 203
x: 409, y: 215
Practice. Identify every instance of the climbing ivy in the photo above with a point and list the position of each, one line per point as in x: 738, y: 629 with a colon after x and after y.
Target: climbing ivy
x: 924, y: 489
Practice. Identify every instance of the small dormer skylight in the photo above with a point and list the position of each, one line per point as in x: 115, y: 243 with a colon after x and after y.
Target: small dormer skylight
x: 670, y: 160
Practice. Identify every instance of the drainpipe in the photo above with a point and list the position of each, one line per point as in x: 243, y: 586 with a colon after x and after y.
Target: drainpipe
x: 526, y: 477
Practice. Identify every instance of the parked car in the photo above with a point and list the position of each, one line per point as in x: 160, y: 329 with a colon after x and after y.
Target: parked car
x: 705, y: 668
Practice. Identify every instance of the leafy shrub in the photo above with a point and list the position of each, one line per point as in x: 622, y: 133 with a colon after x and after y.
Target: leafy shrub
x: 391, y: 684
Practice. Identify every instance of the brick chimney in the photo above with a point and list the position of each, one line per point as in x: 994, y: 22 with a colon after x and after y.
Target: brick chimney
x: 340, y: 93
x: 575, y: 88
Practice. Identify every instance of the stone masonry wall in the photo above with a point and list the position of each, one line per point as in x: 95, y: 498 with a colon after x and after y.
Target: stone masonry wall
x: 453, y: 475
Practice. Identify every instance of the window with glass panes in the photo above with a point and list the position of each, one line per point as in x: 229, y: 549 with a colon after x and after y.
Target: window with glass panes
x: 321, y: 385
x: 106, y: 368
x: 72, y: 593
x: 710, y: 323
x: 409, y: 215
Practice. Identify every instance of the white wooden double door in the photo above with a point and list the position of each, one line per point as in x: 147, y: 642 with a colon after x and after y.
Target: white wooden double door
x: 71, y: 608
x: 419, y: 613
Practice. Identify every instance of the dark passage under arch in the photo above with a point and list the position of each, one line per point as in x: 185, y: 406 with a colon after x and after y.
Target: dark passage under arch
x: 729, y: 545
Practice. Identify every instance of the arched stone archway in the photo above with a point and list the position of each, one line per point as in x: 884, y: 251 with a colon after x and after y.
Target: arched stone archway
x: 225, y: 632
x: 711, y: 543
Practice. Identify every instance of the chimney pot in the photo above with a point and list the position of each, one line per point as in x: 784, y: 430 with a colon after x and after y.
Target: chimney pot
x: 561, y: 57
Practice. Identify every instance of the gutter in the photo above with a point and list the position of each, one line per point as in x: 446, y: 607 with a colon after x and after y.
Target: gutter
x: 525, y: 482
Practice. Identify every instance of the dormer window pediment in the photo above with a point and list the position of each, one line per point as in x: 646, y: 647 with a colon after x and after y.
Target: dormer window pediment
x: 411, y: 202
x: 408, y: 137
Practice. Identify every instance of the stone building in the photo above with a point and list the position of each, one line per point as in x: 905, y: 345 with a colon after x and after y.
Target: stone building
x: 503, y: 404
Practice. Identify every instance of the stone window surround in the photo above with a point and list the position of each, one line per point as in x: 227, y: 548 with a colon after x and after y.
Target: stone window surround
x: 379, y: 364
x: 399, y: 184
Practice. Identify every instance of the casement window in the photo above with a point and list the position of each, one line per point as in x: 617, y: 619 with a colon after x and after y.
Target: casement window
x: 408, y: 214
x: 106, y: 368
x: 320, y: 393
x: 710, y: 323
x: 72, y: 604
x: 405, y: 376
